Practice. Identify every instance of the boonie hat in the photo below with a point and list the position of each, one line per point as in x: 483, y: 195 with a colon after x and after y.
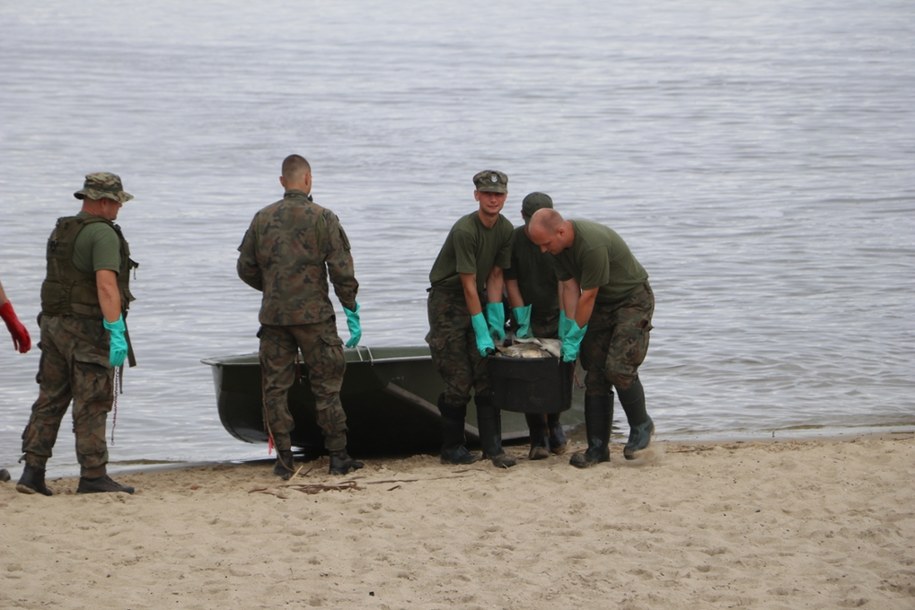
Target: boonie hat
x: 103, y: 185
x: 533, y: 202
x: 491, y: 181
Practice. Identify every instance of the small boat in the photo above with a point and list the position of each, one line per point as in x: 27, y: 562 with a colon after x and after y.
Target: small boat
x: 389, y: 395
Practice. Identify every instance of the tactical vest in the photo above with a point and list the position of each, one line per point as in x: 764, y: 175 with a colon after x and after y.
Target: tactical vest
x: 67, y: 291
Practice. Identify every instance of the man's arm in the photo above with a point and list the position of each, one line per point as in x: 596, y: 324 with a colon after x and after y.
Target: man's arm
x: 471, y: 297
x: 495, y: 285
x: 585, y: 306
x: 514, y: 293
x: 109, y: 297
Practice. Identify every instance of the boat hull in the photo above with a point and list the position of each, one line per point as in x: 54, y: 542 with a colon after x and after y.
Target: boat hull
x: 389, y: 395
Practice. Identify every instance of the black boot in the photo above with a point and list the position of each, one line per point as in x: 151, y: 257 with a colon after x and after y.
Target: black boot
x: 342, y: 463
x: 489, y: 420
x: 557, y: 436
x: 32, y: 481
x: 285, y: 464
x: 102, y: 484
x: 598, y: 416
x: 540, y: 441
x: 641, y: 428
x: 454, y: 450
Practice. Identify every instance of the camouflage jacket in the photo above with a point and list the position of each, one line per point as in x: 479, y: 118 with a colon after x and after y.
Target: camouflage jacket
x: 288, y: 252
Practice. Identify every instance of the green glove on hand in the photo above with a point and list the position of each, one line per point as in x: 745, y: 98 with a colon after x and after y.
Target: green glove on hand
x: 523, y: 318
x: 117, y: 342
x: 495, y: 316
x: 355, y: 327
x: 484, y: 341
x: 572, y: 341
x: 564, y: 324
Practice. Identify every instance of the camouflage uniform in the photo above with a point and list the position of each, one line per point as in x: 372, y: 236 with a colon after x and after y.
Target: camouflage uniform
x: 287, y: 253
x: 74, y: 365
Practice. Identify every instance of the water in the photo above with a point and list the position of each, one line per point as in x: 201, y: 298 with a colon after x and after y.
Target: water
x: 756, y: 156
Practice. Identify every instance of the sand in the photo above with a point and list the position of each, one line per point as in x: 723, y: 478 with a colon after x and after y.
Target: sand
x: 813, y: 523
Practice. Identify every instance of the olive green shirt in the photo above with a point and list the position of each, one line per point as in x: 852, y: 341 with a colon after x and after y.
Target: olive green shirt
x: 96, y: 247
x: 471, y: 247
x: 536, y: 274
x: 599, y: 258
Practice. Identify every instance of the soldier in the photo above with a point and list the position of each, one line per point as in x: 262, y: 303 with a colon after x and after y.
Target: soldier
x: 287, y: 253
x: 532, y: 284
x: 21, y: 339
x: 470, y: 264
x: 84, y: 301
x: 609, y: 305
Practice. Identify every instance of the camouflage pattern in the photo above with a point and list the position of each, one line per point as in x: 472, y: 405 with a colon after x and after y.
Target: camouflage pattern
x: 453, y: 347
x: 616, y: 342
x: 288, y: 252
x: 103, y: 185
x: 490, y: 181
x: 323, y: 361
x: 73, y: 367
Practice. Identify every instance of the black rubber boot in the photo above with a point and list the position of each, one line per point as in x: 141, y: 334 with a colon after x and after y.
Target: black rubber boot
x: 641, y: 428
x: 489, y: 420
x: 598, y: 416
x: 32, y: 482
x: 557, y: 436
x: 102, y: 484
x: 540, y: 441
x: 285, y: 464
x: 454, y: 450
x: 342, y: 463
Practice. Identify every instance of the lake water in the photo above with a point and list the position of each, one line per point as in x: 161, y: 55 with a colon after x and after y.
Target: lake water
x: 758, y: 158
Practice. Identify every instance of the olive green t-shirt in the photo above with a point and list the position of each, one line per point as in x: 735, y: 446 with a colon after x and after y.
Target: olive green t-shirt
x: 536, y: 274
x: 97, y: 247
x: 599, y: 258
x: 471, y: 247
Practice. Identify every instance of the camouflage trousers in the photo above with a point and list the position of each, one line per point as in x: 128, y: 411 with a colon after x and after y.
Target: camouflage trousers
x: 324, y: 365
x: 453, y: 346
x: 616, y: 342
x: 73, y: 367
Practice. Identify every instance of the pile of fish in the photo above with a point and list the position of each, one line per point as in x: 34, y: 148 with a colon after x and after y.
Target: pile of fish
x: 531, y: 348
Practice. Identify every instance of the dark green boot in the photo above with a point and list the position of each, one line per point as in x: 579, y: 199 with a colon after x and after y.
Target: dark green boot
x: 540, y: 441
x: 342, y: 463
x: 641, y: 427
x: 598, y: 417
x: 454, y: 450
x: 489, y: 421
x: 102, y: 484
x: 557, y: 436
x: 285, y: 464
x: 32, y: 482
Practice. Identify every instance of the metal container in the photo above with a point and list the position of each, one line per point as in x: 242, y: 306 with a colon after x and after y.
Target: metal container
x: 531, y: 385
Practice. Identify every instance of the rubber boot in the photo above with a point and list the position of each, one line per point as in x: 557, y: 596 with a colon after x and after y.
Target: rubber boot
x: 557, y: 436
x: 32, y: 481
x: 641, y: 428
x: 285, y: 464
x: 598, y: 416
x: 454, y: 450
x: 342, y: 463
x: 489, y: 420
x: 102, y: 484
x: 540, y: 441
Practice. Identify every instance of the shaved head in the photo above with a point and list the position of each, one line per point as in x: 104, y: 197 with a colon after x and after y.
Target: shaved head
x: 295, y: 167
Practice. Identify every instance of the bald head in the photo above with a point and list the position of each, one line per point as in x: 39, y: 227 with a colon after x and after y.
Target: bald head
x: 549, y: 231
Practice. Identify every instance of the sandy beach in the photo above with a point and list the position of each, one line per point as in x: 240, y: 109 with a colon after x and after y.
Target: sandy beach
x: 814, y: 523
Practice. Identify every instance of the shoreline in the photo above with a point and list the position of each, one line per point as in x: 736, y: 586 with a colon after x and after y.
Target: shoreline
x: 780, y: 523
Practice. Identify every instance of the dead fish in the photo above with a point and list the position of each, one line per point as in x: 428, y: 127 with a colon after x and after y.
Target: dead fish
x: 532, y: 348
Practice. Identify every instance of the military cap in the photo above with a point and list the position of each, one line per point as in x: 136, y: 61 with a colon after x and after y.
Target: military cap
x: 491, y: 181
x: 533, y: 202
x: 103, y: 185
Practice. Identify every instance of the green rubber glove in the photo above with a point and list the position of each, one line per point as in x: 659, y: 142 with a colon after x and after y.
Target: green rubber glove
x: 523, y: 318
x: 354, y: 326
x: 484, y: 341
x: 564, y: 323
x: 571, y: 343
x: 495, y: 316
x: 117, y: 342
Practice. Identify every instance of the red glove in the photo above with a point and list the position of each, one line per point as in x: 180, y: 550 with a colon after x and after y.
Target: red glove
x: 21, y: 339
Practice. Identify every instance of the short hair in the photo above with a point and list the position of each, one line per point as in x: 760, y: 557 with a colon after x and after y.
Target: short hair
x: 548, y: 219
x: 295, y: 167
